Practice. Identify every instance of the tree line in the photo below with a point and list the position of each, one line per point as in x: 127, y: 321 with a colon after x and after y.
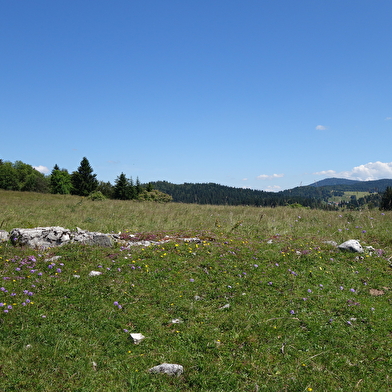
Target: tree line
x: 19, y: 176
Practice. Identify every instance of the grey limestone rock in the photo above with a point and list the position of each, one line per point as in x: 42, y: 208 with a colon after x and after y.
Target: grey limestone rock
x: 351, y: 246
x: 4, y: 235
x: 168, y: 368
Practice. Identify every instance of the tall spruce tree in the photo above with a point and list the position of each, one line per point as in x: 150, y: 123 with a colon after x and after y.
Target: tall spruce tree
x: 83, y: 180
x: 122, y: 188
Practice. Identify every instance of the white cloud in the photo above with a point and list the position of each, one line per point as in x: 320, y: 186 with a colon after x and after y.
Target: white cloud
x: 41, y: 169
x: 321, y: 128
x: 369, y: 171
x: 269, y: 177
x: 273, y: 188
x: 329, y: 173
x: 388, y: 118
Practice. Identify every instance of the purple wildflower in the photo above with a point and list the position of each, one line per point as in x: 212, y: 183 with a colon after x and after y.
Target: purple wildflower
x: 191, y: 280
x: 292, y: 312
x: 352, y: 290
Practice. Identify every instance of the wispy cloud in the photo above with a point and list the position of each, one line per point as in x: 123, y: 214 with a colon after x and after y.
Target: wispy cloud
x: 369, y: 171
x: 388, y: 118
x: 42, y: 169
x: 321, y: 128
x: 273, y: 188
x: 328, y: 173
x: 269, y: 177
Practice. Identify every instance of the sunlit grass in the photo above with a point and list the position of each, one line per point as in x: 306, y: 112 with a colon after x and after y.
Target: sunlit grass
x: 262, y: 302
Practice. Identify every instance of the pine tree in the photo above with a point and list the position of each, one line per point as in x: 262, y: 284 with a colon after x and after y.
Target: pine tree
x: 83, y: 180
x: 122, y: 188
x: 386, y: 199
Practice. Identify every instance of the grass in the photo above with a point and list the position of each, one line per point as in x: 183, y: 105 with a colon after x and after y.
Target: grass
x: 302, y: 316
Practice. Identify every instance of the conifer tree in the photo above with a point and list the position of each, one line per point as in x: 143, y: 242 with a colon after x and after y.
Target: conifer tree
x: 122, y: 188
x: 386, y: 199
x: 83, y: 180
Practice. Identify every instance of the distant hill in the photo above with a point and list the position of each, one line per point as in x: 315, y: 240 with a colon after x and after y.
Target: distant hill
x: 342, y: 184
x: 334, y: 181
x: 316, y: 195
x: 211, y: 193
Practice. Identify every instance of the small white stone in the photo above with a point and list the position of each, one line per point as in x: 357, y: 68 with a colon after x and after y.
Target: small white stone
x: 137, y: 337
x: 168, y: 368
x: 76, y: 276
x: 227, y: 306
x: 95, y: 273
x: 177, y: 321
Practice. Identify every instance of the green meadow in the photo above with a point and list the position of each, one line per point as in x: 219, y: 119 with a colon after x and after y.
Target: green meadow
x: 262, y: 302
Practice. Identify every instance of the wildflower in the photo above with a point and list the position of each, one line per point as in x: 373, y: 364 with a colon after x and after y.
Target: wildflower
x: 255, y: 265
x: 321, y: 286
x: 13, y: 294
x: 191, y: 280
x: 270, y: 283
x: 277, y: 264
x: 352, y: 290
x: 125, y: 330
x: 349, y: 323
x: 9, y: 306
x: 58, y: 270
x: 292, y: 312
x: 341, y: 288
x: 115, y: 303
x: 309, y: 290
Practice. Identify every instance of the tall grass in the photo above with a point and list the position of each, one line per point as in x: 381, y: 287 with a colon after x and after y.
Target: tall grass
x: 264, y: 302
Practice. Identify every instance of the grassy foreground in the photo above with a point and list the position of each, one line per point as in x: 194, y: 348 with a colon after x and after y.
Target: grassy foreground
x: 263, y: 303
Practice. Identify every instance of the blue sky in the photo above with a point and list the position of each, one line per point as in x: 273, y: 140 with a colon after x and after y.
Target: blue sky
x: 261, y: 94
